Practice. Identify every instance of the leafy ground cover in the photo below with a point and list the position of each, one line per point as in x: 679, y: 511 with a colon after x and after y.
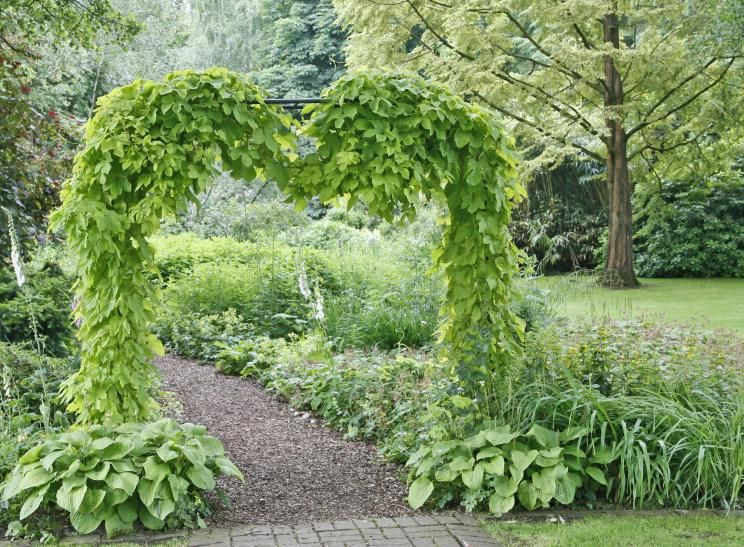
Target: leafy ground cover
x: 706, y: 303
x: 622, y: 531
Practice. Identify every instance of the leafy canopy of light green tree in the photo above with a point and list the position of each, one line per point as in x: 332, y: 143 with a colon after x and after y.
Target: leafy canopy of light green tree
x: 621, y: 82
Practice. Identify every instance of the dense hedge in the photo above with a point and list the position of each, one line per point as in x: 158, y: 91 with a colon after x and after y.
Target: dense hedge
x: 691, y: 230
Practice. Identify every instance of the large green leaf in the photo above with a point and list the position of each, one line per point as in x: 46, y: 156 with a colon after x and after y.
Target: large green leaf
x: 494, y: 466
x: 527, y: 495
x: 36, y: 477
x: 489, y: 452
x: 504, y: 486
x: 161, y: 508
x: 565, y: 491
x: 149, y: 521
x: 127, y: 511
x: 101, y: 473
x: 419, y: 492
x: 123, y: 481
x: 115, y: 525
x: 85, y: 523
x: 146, y: 490
x: 545, y: 437
x: 498, y: 504
x: 155, y: 469
x: 32, y: 502
x: 473, y: 479
x: 522, y: 460
x: 462, y: 463
x: 70, y: 499
x: 445, y: 474
x: 499, y: 436
x: 92, y: 500
x: 596, y: 474
x: 201, y: 477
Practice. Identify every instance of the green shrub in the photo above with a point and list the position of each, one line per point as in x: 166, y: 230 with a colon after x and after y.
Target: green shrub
x: 667, y: 401
x: 497, y: 466
x: 632, y: 357
x: 44, y: 302
x: 119, y: 476
x: 201, y: 336
x: 691, y: 229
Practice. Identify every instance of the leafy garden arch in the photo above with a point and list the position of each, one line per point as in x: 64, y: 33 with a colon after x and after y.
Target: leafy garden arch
x: 389, y: 140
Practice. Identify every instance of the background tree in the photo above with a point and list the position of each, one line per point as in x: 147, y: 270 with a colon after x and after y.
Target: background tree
x: 34, y: 135
x: 618, y: 82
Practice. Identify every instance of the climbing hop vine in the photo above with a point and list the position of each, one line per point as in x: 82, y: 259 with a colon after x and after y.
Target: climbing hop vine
x: 150, y: 148
x: 394, y: 141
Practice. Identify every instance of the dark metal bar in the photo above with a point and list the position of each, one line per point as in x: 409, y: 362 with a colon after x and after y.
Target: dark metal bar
x: 308, y: 100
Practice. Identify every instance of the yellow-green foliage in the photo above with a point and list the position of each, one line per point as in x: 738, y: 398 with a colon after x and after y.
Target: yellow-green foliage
x: 149, y: 149
x: 391, y: 141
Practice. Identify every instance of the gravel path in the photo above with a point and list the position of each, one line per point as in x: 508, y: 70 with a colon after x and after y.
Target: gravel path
x: 295, y: 471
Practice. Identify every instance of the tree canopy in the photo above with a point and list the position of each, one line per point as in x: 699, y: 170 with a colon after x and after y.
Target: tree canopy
x: 620, y: 83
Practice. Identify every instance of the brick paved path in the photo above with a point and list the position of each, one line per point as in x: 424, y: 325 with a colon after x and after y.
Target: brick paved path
x: 418, y: 531
x: 440, y: 530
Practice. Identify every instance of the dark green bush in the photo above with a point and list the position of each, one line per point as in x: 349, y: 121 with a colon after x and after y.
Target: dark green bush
x: 691, y: 229
x: 44, y: 301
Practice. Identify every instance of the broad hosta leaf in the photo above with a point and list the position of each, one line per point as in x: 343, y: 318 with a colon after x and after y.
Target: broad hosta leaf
x: 504, y: 486
x: 201, y: 477
x: 100, y: 473
x: 565, y: 491
x: 156, y: 470
x: 527, y: 495
x: 146, y: 490
x: 228, y: 468
x: 31, y: 455
x: 114, y: 525
x: 445, y: 474
x: 85, y: 523
x: 127, y: 511
x: 545, y: 437
x: 419, y: 492
x: 473, y: 479
x: 32, y: 502
x: 603, y: 456
x: 71, y: 499
x: 161, y: 508
x: 596, y: 474
x: 36, y: 477
x: 178, y: 486
x: 47, y: 462
x: 149, y: 521
x: 166, y: 453
x: 571, y: 433
x: 212, y: 446
x: 499, y: 436
x: 92, y: 500
x: 123, y: 481
x: 489, y: 452
x: 476, y: 441
x: 461, y: 463
x: 498, y: 504
x: 494, y: 466
x: 547, y: 458
x: 522, y: 460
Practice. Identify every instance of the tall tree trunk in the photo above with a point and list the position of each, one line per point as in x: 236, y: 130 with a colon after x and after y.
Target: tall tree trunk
x: 619, y: 261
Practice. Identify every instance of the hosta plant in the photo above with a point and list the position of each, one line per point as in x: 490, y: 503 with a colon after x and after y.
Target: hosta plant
x: 500, y: 466
x: 118, y: 476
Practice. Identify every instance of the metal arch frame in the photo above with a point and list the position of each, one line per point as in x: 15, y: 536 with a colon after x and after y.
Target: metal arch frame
x: 293, y: 104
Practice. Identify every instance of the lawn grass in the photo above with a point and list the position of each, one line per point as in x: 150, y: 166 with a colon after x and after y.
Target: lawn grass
x: 614, y: 531
x: 705, y: 303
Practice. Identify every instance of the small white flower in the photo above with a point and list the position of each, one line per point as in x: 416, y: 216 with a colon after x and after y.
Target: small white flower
x: 15, y: 251
x: 304, y: 289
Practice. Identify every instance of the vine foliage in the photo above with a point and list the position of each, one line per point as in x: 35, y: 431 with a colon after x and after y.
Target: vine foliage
x: 150, y: 148
x: 392, y: 141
